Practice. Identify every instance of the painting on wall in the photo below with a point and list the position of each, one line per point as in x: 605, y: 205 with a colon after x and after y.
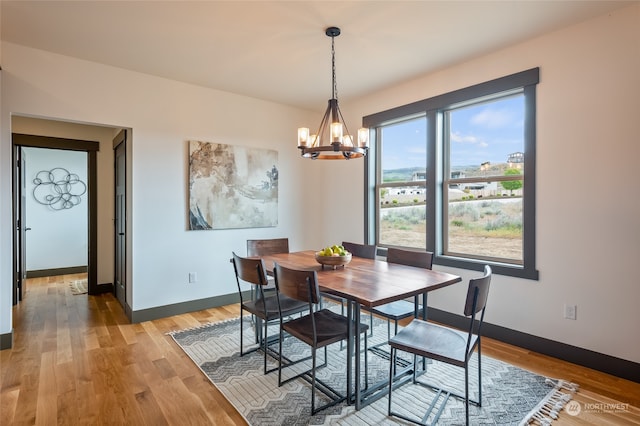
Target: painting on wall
x: 232, y: 186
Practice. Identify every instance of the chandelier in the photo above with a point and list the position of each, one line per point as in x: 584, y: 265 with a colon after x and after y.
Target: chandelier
x: 332, y: 141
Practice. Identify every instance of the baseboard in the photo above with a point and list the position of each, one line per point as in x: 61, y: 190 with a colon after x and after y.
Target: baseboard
x: 57, y: 271
x: 180, y: 308
x: 6, y: 341
x: 605, y: 363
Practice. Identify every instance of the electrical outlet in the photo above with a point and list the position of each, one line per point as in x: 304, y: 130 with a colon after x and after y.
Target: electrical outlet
x: 570, y: 311
x: 193, y: 277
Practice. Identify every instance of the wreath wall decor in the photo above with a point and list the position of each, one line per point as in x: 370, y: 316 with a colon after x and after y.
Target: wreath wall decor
x: 58, y: 188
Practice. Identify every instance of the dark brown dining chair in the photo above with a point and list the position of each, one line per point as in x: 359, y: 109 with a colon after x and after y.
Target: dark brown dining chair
x: 266, y: 307
x: 318, y: 329
x: 265, y: 247
x: 361, y: 250
x: 367, y: 251
x: 445, y: 344
x: 259, y: 248
x: 401, y: 309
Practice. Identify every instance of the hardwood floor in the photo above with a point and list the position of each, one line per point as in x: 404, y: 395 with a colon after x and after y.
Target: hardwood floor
x: 77, y: 360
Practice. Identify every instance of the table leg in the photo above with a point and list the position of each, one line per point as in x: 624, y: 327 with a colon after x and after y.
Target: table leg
x: 357, y: 343
x: 349, y: 349
x: 424, y: 306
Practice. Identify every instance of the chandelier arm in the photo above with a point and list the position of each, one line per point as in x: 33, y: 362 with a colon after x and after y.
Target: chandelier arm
x: 322, y: 128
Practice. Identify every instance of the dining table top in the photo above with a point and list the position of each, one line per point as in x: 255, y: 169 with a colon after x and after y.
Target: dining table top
x: 369, y: 282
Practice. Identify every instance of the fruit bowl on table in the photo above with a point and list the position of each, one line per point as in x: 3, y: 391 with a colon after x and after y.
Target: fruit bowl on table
x: 334, y: 261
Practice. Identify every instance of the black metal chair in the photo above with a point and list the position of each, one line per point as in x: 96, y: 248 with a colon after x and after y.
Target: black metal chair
x: 366, y: 251
x: 361, y: 250
x: 401, y: 309
x: 268, y: 308
x: 265, y: 247
x: 358, y: 250
x: 444, y: 344
x: 318, y: 329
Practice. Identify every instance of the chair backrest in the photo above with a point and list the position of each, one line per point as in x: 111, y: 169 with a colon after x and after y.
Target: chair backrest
x: 360, y: 250
x: 267, y: 247
x: 419, y: 259
x: 297, y: 284
x: 249, y: 270
x: 478, y: 293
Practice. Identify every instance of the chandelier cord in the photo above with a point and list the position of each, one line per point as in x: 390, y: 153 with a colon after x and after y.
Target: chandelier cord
x: 333, y: 68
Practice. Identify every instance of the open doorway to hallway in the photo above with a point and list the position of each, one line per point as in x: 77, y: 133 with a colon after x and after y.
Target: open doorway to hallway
x: 96, y: 142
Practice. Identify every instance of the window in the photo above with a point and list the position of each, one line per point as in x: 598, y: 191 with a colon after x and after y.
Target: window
x: 455, y: 174
x: 402, y: 191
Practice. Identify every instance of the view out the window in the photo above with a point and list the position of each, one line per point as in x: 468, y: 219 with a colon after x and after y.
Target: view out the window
x: 485, y: 184
x: 402, y: 192
x: 450, y: 176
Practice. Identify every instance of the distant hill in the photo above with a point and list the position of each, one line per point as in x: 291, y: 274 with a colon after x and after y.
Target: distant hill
x: 406, y: 174
x: 400, y: 175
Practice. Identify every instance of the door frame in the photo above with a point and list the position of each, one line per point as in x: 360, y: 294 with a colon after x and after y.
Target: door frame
x: 19, y: 140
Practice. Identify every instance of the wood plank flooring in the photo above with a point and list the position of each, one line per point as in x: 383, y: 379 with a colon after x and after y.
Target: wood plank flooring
x: 76, y: 360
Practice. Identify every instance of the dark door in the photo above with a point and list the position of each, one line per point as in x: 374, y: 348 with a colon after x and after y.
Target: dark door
x: 120, y: 218
x: 20, y: 247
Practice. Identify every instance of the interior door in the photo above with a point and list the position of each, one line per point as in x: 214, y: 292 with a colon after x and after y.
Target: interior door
x: 20, y: 247
x: 120, y: 230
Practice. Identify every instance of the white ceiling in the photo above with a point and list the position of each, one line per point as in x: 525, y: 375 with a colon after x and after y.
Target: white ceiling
x: 277, y: 50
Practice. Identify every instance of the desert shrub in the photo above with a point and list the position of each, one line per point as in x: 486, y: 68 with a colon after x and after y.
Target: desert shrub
x: 504, y: 222
x: 466, y: 210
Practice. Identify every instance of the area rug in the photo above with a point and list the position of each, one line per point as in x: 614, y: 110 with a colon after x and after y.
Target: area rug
x: 78, y: 287
x: 510, y: 395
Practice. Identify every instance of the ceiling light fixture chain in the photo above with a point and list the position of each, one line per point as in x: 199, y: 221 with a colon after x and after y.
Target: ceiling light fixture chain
x: 339, y: 143
x: 333, y: 69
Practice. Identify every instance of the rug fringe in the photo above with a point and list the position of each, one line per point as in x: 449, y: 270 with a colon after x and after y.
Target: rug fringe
x: 549, y: 408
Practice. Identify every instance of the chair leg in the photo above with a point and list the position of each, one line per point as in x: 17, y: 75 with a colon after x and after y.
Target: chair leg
x: 392, y: 363
x: 241, y: 327
x: 280, y: 358
x: 265, y: 339
x: 313, y: 381
x: 479, y: 375
x: 371, y: 323
x: 366, y: 363
x: 466, y: 392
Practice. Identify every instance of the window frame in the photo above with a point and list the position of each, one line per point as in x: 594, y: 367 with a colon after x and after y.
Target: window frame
x: 433, y: 110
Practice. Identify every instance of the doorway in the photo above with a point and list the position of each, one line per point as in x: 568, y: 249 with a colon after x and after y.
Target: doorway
x: 21, y: 141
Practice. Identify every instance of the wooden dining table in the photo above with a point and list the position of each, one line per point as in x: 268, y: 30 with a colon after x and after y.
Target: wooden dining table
x: 368, y: 283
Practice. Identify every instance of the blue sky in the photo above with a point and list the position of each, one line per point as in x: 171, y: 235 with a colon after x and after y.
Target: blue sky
x: 484, y: 132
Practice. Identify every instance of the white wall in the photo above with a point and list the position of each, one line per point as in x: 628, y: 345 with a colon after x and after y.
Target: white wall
x: 588, y: 233
x: 57, y: 236
x: 163, y: 116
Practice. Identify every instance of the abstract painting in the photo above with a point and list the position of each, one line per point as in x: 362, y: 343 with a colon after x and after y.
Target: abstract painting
x: 232, y: 186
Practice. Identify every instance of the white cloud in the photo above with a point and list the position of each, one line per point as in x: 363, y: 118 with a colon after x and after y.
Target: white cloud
x: 457, y: 137
x: 493, y: 118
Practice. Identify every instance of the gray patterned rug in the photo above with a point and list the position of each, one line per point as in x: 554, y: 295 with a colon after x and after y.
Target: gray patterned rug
x: 510, y: 395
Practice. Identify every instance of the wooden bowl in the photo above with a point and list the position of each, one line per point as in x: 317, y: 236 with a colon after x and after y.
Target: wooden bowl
x: 334, y: 261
